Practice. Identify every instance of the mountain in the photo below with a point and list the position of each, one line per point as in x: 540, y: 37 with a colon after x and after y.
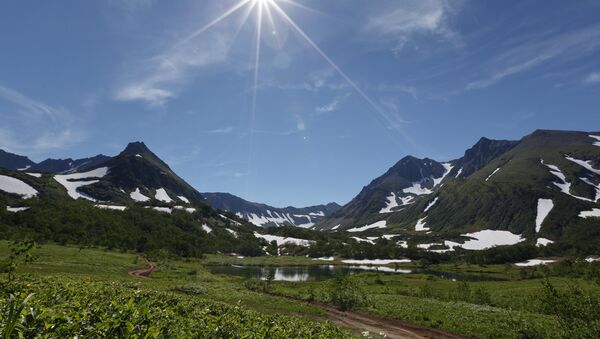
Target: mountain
x: 67, y: 165
x: 140, y: 175
x: 14, y: 162
x: 267, y: 216
x: 401, y: 186
x: 544, y: 188
x: 132, y: 201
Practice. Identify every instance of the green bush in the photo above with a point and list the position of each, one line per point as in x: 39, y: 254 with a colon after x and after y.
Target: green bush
x: 346, y: 294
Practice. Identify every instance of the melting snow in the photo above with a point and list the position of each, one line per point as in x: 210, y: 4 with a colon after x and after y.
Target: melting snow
x: 494, y: 172
x: 37, y: 175
x: 72, y: 182
x: 138, y: 196
x: 420, y: 226
x: 17, y: 209
x: 431, y: 204
x: 543, y: 242
x: 544, y: 206
x: 184, y: 199
x: 597, y: 143
x: 378, y: 224
x: 111, y: 207
x: 283, y: 240
x: 163, y: 209
x: 595, y: 212
x: 375, y: 261
x: 161, y: 195
x: 206, y: 229
x: 16, y: 186
x: 364, y: 240
x: 587, y: 164
x: 490, y: 238
x: 416, y: 189
x: 535, y: 262
x: 564, y: 186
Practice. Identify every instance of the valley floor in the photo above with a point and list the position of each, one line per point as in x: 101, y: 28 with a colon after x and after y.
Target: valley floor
x: 183, y: 297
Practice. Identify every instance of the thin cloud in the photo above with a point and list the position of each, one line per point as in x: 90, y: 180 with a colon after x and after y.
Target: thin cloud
x: 534, y: 52
x: 41, y: 127
x: 333, y: 105
x: 592, y: 78
x: 410, y: 18
x: 223, y: 130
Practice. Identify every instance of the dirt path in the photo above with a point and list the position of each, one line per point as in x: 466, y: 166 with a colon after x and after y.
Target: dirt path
x: 144, y: 272
x: 384, y: 327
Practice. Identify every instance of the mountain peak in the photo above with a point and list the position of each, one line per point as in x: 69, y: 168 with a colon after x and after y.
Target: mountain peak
x: 136, y: 147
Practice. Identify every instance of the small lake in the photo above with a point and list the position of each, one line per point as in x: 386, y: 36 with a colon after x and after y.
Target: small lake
x: 322, y: 272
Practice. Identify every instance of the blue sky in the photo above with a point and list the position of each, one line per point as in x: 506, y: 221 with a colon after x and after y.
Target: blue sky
x: 419, y: 77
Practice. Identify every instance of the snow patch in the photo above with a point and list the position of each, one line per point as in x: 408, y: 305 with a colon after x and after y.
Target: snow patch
x: 336, y: 227
x: 226, y: 218
x: 161, y: 195
x: 206, y: 229
x: 16, y: 209
x: 587, y: 164
x: 564, y: 185
x: 234, y: 233
x: 163, y: 209
x: 184, y: 199
x: 597, y: 137
x: 378, y: 224
x: 448, y: 166
x: 490, y: 238
x: 376, y: 261
x: 37, y: 175
x: 325, y: 258
x: 72, y: 182
x: 594, y: 213
x: 190, y: 210
x: 392, y: 202
x: 16, y: 186
x: 111, y: 207
x: 283, y: 240
x: 459, y: 172
x: 494, y: 172
x: 535, y: 262
x: 138, y: 196
x: 416, y: 189
x: 431, y: 204
x: 420, y: 226
x: 544, y: 206
x: 364, y: 240
x: 543, y: 242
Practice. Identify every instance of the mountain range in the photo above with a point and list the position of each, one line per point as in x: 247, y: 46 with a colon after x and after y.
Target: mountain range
x: 540, y: 190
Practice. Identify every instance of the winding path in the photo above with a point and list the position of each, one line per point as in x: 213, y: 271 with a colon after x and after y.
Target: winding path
x: 144, y: 272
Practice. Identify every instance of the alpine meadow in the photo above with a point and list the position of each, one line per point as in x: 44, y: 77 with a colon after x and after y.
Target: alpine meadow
x: 300, y: 169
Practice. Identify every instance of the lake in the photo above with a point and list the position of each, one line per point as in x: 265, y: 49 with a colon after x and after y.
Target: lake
x: 322, y: 272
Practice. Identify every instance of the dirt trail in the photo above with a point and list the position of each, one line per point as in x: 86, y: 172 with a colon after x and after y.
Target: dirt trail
x: 144, y: 272
x: 384, y: 327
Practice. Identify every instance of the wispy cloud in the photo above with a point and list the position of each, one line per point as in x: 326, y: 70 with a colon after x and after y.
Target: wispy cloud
x: 333, y: 105
x: 223, y: 130
x: 532, y: 52
x: 161, y: 77
x: 407, y: 19
x: 32, y: 127
x: 592, y: 78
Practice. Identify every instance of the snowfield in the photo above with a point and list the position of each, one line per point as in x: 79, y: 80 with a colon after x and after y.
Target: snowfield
x: 161, y: 195
x: 16, y: 209
x: 376, y: 261
x: 489, y: 238
x: 378, y: 224
x: 284, y: 240
x: 535, y: 262
x: 543, y: 242
x: 431, y: 204
x: 564, y: 185
x: 420, y: 226
x: 138, y: 196
x: 544, y: 206
x: 594, y: 213
x: 494, y: 172
x: 111, y: 207
x: 16, y: 186
x: 72, y: 182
